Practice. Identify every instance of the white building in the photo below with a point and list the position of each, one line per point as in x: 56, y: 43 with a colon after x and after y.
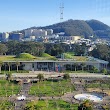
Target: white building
x: 28, y: 32
x: 39, y: 33
x: 49, y: 31
x: 5, y: 36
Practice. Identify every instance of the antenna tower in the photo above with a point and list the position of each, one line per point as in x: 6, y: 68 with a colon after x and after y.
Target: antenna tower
x: 61, y: 11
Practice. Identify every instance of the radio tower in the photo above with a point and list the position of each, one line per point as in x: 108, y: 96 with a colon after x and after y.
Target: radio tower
x: 61, y: 11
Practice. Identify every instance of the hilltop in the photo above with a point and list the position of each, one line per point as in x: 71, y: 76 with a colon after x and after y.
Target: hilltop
x: 99, y: 28
x: 80, y: 28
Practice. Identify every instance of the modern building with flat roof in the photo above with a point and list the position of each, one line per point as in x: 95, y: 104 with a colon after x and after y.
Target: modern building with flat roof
x: 58, y: 65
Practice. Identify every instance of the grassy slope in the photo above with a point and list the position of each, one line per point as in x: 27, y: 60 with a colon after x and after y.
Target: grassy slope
x: 26, y: 56
x: 70, y: 55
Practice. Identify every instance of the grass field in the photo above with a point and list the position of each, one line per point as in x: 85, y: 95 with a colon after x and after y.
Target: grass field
x: 79, y: 71
x: 8, y: 88
x: 6, y: 105
x: 14, y: 71
x: 51, y: 105
x: 50, y: 88
x: 98, y: 85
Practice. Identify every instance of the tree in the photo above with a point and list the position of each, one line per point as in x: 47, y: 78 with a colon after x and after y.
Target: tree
x: 94, y: 69
x: 86, y: 105
x: 3, y: 49
x: 104, y: 71
x: 101, y: 51
x: 80, y: 50
x: 8, y: 76
x: 40, y: 77
x: 66, y: 76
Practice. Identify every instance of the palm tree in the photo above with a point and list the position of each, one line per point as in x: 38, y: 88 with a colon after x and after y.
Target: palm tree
x: 1, y: 63
x: 17, y: 65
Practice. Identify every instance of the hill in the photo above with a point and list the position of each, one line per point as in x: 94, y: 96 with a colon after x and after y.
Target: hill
x: 80, y: 28
x: 25, y: 56
x: 97, y: 25
x: 72, y: 27
x: 100, y: 29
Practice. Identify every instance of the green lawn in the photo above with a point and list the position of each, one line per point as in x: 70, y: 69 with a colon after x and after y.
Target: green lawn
x: 14, y: 71
x: 8, y: 88
x: 50, y: 88
x: 51, y: 105
x: 5, y: 105
x: 98, y: 85
x: 79, y: 71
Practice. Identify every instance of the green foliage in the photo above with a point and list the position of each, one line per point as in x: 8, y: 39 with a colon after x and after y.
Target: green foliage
x: 80, y: 50
x: 25, y: 56
x: 101, y: 51
x: 72, y: 27
x: 66, y: 76
x: 68, y: 56
x: 5, y: 105
x: 51, y: 88
x: 50, y: 105
x: 100, y: 29
x: 40, y: 77
x: 8, y: 76
x: 8, y: 88
x: 3, y: 49
x: 104, y: 71
x: 97, y: 85
x: 86, y: 105
x: 95, y: 70
x: 47, y: 56
x: 97, y: 25
x: 34, y: 48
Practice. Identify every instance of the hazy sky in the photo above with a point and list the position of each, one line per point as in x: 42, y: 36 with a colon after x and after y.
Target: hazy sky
x: 21, y: 14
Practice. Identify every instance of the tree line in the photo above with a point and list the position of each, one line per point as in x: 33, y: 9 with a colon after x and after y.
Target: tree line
x: 101, y: 51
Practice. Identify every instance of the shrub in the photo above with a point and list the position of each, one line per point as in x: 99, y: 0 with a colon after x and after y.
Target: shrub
x: 40, y: 77
x: 66, y: 76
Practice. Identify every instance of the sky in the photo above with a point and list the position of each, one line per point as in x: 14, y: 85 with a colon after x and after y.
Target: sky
x: 22, y: 14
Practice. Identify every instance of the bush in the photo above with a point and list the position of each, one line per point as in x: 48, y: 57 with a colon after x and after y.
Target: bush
x: 40, y: 77
x: 66, y: 76
x: 104, y: 71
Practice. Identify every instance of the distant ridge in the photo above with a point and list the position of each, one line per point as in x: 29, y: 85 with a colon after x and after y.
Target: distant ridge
x: 80, y: 28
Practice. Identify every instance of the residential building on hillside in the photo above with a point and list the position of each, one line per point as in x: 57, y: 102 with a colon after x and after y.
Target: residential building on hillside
x: 16, y: 36
x: 5, y: 36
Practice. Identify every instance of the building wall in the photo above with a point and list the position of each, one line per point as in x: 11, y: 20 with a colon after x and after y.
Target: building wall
x: 27, y: 66
x: 53, y: 66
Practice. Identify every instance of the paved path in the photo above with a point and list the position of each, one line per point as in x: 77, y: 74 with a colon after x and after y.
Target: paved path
x: 24, y: 91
